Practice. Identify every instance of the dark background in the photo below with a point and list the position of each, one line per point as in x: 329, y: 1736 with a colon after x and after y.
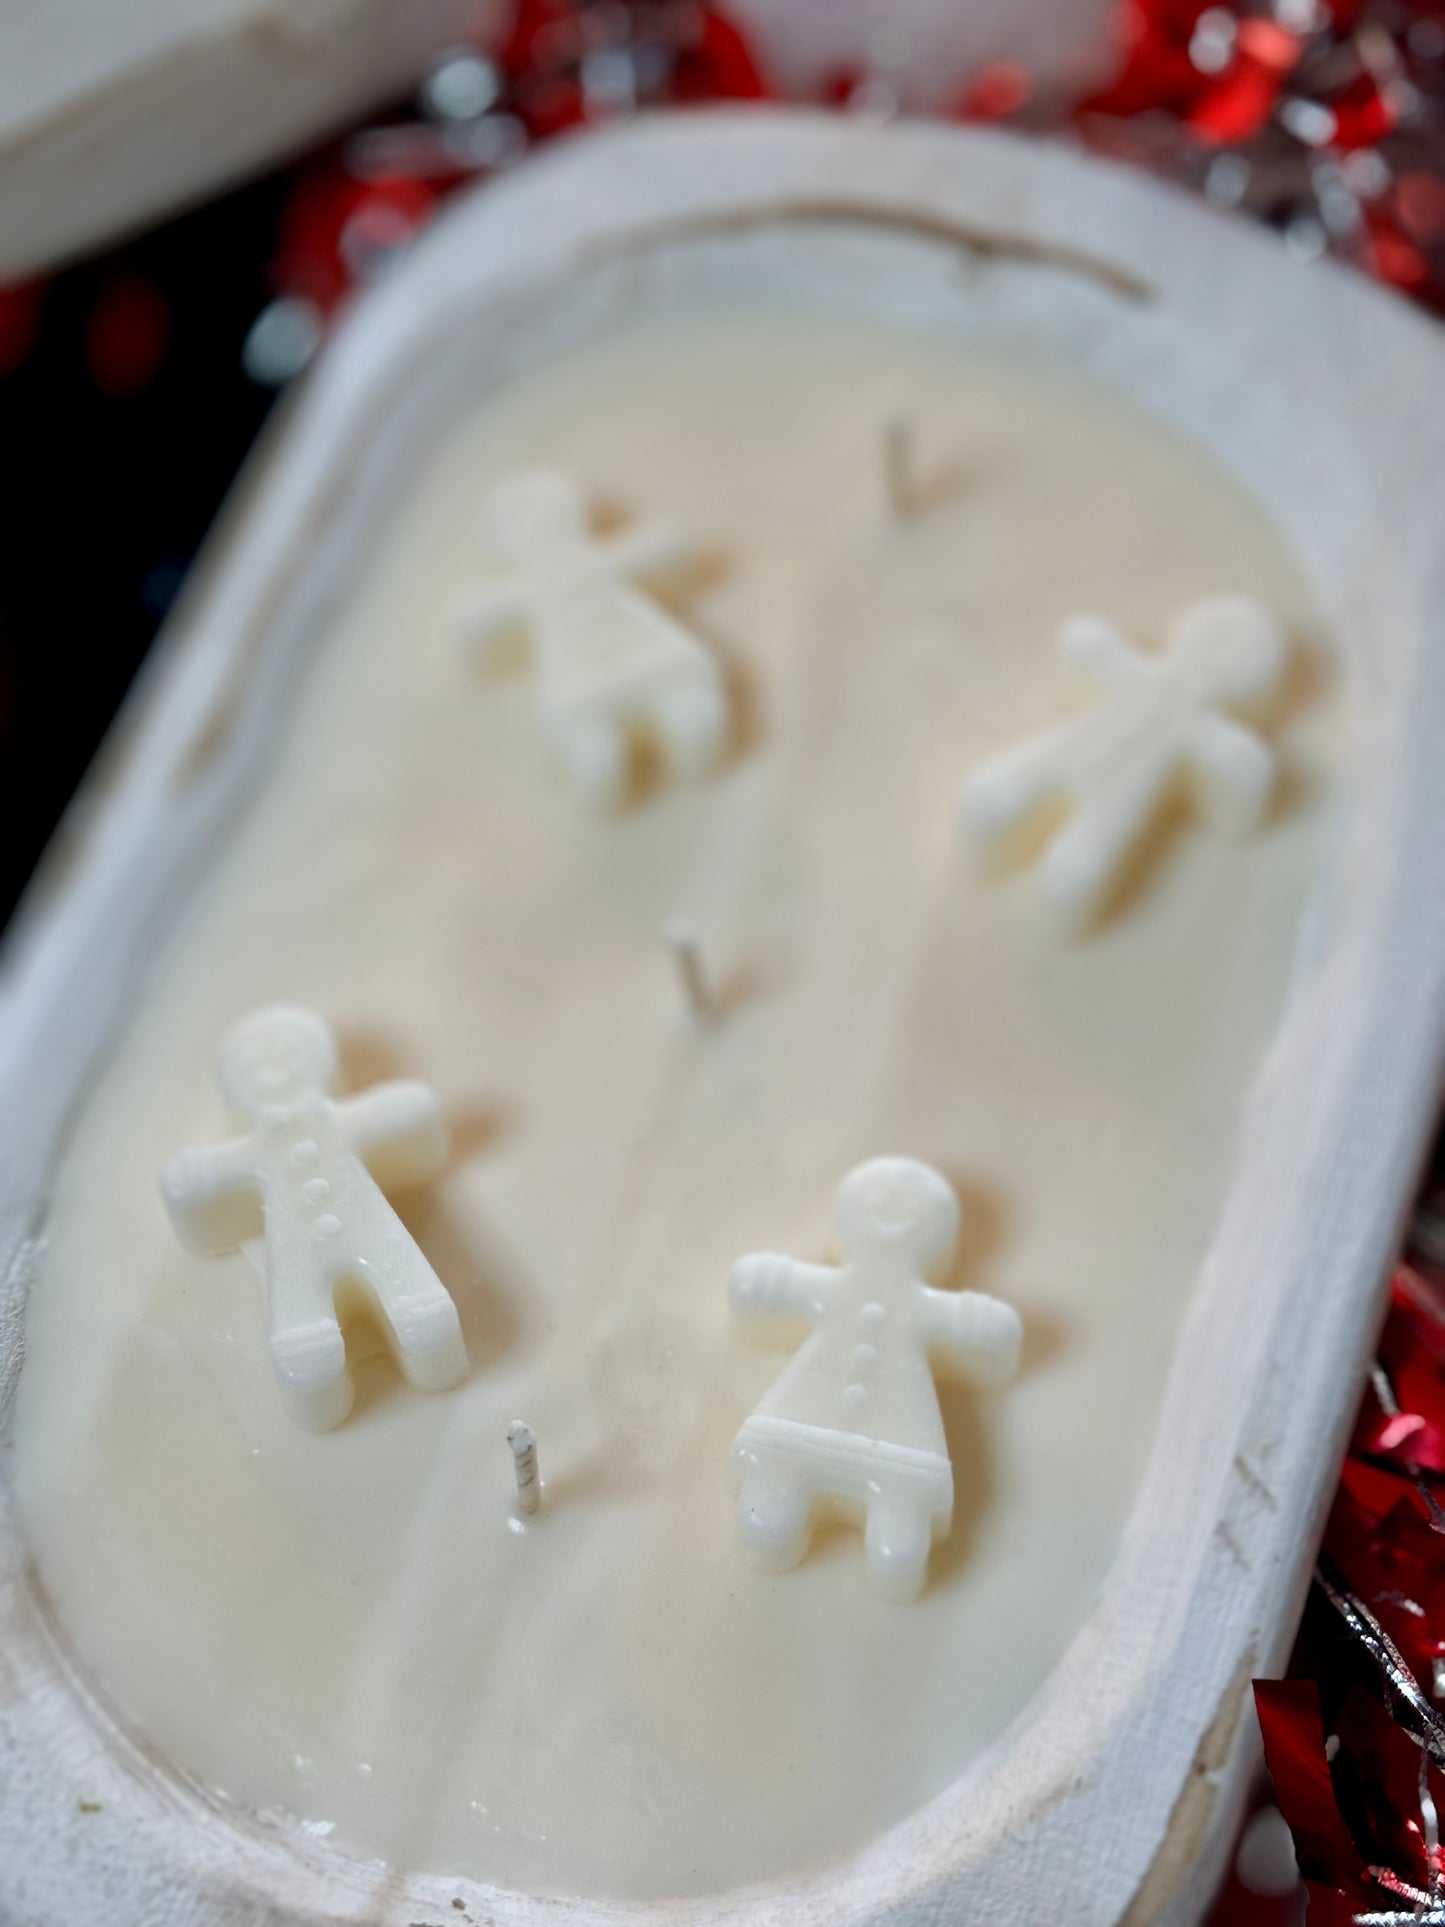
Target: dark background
x: 124, y: 414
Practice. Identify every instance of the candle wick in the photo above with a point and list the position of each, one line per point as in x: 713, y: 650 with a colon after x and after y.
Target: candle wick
x: 686, y: 951
x: 523, y: 1441
x: 898, y: 467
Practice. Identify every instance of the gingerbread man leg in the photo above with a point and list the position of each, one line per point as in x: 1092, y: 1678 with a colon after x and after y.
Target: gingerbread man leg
x: 593, y: 750
x: 309, y: 1356
x: 898, y: 1539
x: 774, y: 1507
x: 689, y: 719
x: 418, y: 1317
x: 1089, y: 854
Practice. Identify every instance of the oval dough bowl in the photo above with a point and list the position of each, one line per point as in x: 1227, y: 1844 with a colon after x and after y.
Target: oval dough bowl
x: 1121, y: 1781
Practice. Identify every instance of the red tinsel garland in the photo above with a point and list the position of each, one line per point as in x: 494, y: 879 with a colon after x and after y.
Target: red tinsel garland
x: 1325, y: 118
x: 1354, y: 1738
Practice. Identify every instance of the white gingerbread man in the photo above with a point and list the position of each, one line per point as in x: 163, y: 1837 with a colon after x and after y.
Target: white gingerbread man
x: 308, y: 1177
x: 1169, y: 725
x: 611, y: 665
x: 852, y: 1425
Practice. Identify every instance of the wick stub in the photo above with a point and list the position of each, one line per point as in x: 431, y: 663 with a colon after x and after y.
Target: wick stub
x: 523, y: 1441
x: 686, y: 951
x: 898, y: 466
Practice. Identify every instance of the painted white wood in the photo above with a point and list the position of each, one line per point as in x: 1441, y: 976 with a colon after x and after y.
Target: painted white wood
x: 111, y: 116
x: 1114, y: 1794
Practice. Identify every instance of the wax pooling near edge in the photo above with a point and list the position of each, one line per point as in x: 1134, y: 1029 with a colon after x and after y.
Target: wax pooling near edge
x: 610, y: 1701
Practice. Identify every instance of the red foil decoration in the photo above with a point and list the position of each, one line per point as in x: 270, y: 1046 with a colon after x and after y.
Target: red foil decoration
x: 20, y: 306
x: 562, y: 65
x: 126, y: 335
x: 1354, y: 1738
x: 1332, y: 113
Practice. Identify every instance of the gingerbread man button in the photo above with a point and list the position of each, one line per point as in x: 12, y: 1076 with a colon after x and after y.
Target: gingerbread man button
x: 308, y: 1178
x: 852, y: 1427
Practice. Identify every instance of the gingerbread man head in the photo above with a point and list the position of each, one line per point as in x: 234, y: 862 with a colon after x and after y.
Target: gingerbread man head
x: 1228, y: 650
x: 276, y: 1058
x: 899, y: 1208
x: 531, y: 519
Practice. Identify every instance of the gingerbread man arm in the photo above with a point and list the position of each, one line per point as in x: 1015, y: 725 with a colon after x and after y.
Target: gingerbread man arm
x: 1016, y: 784
x: 397, y: 1131
x: 1109, y: 822
x: 970, y: 1336
x: 213, y: 1197
x: 770, y: 1295
x: 1102, y: 653
x: 493, y: 622
x: 653, y: 553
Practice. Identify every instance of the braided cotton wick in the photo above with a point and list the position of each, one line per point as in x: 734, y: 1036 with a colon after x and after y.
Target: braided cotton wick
x: 523, y: 1441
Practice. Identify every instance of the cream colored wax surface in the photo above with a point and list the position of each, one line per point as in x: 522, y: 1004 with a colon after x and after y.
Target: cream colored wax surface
x: 347, y: 1628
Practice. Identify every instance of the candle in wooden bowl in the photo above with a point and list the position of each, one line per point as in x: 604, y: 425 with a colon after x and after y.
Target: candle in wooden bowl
x: 1178, y: 1141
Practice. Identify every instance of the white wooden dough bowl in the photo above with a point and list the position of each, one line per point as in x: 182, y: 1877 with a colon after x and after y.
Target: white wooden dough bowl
x: 1114, y: 1794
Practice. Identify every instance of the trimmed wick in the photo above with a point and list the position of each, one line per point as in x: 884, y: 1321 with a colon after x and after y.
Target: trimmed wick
x: 523, y: 1441
x: 898, y: 466
x: 686, y: 952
